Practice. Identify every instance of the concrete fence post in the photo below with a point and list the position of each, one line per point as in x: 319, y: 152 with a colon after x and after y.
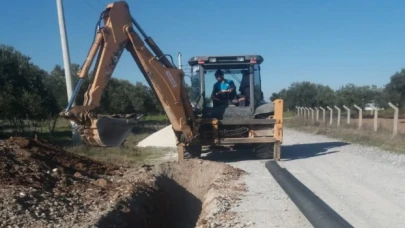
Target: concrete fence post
x: 312, y: 114
x: 360, y: 116
x: 348, y: 114
x: 338, y: 115
x: 307, y: 109
x: 317, y: 114
x: 395, y: 124
x: 375, y: 119
x: 331, y: 114
x: 323, y: 114
x: 298, y: 110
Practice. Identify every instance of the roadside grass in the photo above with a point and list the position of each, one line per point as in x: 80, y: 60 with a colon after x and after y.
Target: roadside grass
x: 288, y: 114
x: 127, y: 154
x: 382, y: 139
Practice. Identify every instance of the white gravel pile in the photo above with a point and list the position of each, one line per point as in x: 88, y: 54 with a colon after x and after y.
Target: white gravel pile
x: 162, y: 138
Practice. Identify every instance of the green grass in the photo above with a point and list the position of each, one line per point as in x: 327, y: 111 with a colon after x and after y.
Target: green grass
x: 155, y: 118
x: 288, y: 114
x: 127, y: 154
x: 382, y: 139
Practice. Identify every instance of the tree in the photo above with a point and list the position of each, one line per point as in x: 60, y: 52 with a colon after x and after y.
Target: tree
x: 23, y: 93
x: 395, y: 89
x: 351, y: 94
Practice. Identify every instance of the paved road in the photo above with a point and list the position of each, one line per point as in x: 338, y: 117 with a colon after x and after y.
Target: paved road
x: 364, y: 185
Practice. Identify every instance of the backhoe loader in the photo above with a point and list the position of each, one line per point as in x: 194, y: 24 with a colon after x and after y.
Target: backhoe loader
x: 197, y: 119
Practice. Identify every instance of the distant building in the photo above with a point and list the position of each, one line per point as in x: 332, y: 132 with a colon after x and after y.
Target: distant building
x: 371, y: 106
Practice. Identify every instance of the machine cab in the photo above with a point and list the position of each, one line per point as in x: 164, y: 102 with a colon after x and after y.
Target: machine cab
x: 242, y: 72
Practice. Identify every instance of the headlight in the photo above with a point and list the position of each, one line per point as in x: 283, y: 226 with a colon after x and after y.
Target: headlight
x: 241, y: 59
x: 213, y: 60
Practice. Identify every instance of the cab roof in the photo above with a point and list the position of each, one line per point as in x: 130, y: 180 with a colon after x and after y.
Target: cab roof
x: 225, y: 59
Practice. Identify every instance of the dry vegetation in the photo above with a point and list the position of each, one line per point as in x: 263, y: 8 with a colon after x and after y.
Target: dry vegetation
x: 366, y: 136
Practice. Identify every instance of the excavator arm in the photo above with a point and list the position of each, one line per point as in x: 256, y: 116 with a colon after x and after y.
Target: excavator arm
x: 167, y: 82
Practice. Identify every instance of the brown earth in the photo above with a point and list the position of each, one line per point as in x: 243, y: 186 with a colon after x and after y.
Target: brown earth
x: 44, y: 186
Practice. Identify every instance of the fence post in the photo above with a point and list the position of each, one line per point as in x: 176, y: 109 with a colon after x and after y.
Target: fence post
x: 304, y: 112
x: 348, y: 114
x: 395, y: 125
x: 338, y: 115
x: 317, y: 113
x: 331, y: 114
x: 375, y: 119
x: 312, y: 115
x: 360, y: 115
x: 323, y: 114
x: 307, y: 112
x: 298, y: 110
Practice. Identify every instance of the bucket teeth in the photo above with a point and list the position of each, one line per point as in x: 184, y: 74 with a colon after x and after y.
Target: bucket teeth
x: 108, y: 130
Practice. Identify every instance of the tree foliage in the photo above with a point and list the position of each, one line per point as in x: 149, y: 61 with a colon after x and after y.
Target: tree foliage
x: 28, y: 92
x: 23, y: 93
x: 314, y: 95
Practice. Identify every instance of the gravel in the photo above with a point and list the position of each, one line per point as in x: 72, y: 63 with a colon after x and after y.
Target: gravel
x: 42, y: 185
x: 162, y: 138
x: 365, y: 185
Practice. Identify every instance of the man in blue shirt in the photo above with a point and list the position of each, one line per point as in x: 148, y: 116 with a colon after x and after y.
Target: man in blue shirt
x: 224, y: 89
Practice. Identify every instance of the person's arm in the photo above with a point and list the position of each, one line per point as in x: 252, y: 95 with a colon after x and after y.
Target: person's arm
x: 214, y: 92
x: 232, y: 86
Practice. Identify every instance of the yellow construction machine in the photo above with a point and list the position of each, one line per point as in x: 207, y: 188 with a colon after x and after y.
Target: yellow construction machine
x: 198, y: 118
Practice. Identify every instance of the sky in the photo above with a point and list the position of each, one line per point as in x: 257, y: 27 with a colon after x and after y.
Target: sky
x: 327, y: 42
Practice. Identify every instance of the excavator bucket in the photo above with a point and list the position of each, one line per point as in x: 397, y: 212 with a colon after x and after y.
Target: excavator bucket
x: 109, y: 131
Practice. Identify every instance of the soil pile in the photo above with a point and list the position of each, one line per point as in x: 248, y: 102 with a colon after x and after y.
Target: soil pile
x: 42, y: 185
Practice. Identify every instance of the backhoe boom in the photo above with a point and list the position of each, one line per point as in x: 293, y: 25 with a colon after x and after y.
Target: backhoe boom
x: 166, y: 81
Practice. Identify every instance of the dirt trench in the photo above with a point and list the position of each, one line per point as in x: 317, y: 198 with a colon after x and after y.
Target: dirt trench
x: 42, y: 185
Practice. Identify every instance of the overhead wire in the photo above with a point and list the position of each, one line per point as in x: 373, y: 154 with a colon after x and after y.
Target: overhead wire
x: 89, y: 4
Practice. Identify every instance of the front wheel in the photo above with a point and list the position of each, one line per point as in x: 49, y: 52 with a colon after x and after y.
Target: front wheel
x: 192, y: 151
x: 268, y: 151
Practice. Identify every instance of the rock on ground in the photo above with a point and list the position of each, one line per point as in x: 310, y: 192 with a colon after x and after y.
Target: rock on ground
x: 365, y: 185
x: 162, y: 138
x: 44, y: 186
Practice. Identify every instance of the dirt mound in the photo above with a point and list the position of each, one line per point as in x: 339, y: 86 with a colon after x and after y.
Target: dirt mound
x: 42, y: 185
x: 37, y: 164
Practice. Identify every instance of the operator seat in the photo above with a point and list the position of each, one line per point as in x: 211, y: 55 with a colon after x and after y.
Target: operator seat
x: 244, y: 87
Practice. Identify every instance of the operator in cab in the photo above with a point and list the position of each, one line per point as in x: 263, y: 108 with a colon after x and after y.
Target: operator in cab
x: 224, y: 90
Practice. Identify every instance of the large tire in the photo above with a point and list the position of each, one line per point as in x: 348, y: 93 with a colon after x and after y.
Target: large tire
x: 268, y: 151
x: 264, y: 150
x: 192, y: 151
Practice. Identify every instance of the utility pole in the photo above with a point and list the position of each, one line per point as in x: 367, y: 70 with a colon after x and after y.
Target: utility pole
x: 66, y: 63
x: 179, y: 59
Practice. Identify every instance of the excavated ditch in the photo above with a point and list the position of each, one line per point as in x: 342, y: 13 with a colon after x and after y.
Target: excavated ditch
x: 186, y: 194
x: 42, y: 185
